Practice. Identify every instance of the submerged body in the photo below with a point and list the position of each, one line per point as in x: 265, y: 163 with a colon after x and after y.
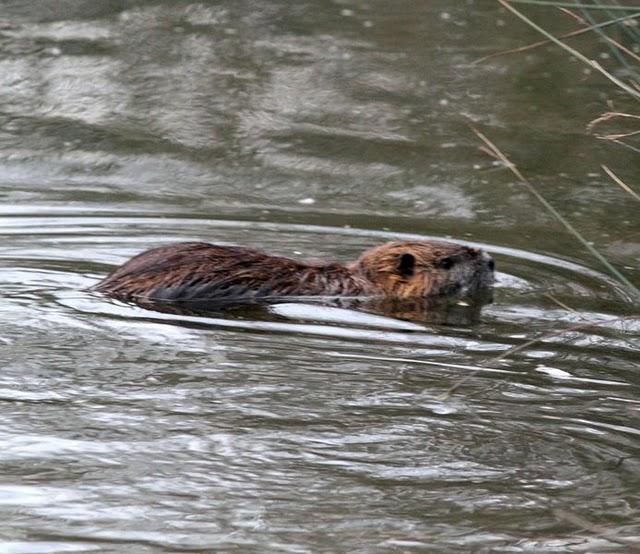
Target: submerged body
x: 196, y: 271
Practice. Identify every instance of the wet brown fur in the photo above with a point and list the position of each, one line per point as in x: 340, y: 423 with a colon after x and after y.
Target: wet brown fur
x: 199, y: 271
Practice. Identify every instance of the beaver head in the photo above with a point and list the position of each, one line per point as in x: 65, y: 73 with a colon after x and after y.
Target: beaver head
x: 415, y: 269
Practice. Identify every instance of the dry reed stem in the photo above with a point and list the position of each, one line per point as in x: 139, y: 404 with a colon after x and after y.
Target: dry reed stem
x: 620, y: 182
x: 526, y: 47
x: 575, y: 4
x: 624, y: 49
x: 491, y: 149
x: 619, y: 46
x: 621, y: 143
x: 591, y: 63
x: 617, y: 136
x: 570, y: 34
x: 608, y: 116
x: 529, y: 343
x: 562, y: 304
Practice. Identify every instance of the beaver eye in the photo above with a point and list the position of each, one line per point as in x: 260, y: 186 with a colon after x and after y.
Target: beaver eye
x: 406, y: 265
x: 446, y: 263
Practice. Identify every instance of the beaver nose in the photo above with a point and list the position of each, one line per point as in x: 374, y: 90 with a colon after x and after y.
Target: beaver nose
x: 488, y: 261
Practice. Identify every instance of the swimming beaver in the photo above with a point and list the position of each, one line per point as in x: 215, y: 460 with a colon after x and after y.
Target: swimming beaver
x: 197, y: 271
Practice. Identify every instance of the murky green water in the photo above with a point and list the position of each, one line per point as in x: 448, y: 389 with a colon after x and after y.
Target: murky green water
x: 310, y: 129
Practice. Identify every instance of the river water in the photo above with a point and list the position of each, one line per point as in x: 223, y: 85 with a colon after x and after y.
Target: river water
x: 313, y: 129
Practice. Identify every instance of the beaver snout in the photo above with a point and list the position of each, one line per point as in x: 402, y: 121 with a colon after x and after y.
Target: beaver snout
x: 485, y: 270
x: 487, y: 261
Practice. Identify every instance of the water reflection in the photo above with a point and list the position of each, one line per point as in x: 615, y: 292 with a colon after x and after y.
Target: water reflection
x: 441, y: 311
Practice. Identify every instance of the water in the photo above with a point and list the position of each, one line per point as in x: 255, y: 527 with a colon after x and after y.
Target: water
x: 310, y: 129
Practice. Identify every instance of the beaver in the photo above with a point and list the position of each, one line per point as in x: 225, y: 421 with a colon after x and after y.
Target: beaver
x: 198, y: 271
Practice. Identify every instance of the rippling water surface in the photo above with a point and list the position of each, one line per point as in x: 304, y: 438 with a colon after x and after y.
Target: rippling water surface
x: 315, y: 130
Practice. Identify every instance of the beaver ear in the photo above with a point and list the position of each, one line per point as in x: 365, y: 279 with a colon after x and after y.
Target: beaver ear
x: 406, y: 265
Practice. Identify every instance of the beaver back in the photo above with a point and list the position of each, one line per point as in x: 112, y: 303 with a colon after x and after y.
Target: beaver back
x: 201, y: 271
